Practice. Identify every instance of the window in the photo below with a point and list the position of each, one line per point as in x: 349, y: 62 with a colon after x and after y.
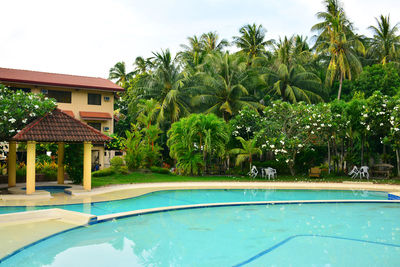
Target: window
x: 94, y: 99
x: 96, y: 125
x: 60, y: 96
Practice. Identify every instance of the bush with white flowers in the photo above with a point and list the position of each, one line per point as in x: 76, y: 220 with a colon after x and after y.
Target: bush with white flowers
x: 18, y: 108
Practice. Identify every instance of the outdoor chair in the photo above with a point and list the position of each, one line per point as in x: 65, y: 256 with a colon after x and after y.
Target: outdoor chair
x: 364, y: 172
x: 315, y: 172
x: 253, y: 172
x: 354, y: 172
x: 270, y: 172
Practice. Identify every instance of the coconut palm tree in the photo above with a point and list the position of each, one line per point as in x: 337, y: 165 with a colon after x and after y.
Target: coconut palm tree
x: 118, y: 73
x: 141, y: 65
x: 336, y: 39
x: 249, y: 148
x: 288, y: 78
x: 252, y: 41
x: 223, y: 91
x: 210, y: 42
x: 166, y: 84
x: 193, y: 55
x: 385, y: 43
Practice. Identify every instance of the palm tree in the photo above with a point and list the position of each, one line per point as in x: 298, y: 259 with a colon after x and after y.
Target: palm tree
x: 141, y: 65
x: 251, y: 41
x: 118, y: 73
x: 337, y: 40
x: 147, y: 111
x: 385, y: 43
x: 193, y: 55
x: 212, y: 133
x: 287, y: 77
x: 166, y: 84
x: 247, y: 151
x: 223, y: 89
x: 210, y: 42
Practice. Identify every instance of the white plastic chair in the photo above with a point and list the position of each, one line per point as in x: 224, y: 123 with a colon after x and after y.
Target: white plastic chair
x: 354, y: 172
x: 253, y: 172
x: 270, y: 172
x: 364, y: 172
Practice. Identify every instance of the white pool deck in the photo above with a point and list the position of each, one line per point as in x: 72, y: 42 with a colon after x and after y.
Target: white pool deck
x: 21, y: 229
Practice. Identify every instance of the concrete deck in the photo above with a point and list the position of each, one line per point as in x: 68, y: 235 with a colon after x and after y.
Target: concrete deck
x: 21, y: 229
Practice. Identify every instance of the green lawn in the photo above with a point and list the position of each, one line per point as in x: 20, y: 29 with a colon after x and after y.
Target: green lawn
x: 138, y: 177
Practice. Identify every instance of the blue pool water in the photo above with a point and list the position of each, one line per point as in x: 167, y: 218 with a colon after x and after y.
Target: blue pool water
x: 51, y: 189
x: 340, y: 234
x: 199, y: 196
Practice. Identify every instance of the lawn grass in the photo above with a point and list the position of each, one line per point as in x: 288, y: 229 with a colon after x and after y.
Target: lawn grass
x: 139, y: 177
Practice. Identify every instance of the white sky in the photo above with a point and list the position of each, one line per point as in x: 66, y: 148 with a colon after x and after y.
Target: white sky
x: 86, y: 37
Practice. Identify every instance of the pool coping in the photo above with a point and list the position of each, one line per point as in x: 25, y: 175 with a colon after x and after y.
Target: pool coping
x: 116, y: 216
x: 110, y: 193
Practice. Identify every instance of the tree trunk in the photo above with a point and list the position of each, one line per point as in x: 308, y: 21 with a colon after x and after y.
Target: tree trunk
x: 342, y: 156
x: 384, y: 154
x: 340, y: 86
x: 329, y: 157
x: 398, y: 161
x: 250, y: 160
x: 336, y: 162
x: 362, y: 151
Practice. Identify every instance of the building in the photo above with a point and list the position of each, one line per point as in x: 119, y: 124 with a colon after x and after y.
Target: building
x: 88, y: 99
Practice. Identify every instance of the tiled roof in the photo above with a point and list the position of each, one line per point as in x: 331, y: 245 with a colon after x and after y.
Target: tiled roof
x: 69, y: 112
x: 89, y: 115
x: 56, y: 126
x: 55, y: 79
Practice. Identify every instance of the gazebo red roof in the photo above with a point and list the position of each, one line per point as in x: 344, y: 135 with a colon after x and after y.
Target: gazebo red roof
x: 57, y: 126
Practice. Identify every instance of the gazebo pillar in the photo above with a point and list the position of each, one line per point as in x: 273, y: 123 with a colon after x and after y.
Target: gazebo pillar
x: 87, y: 165
x: 11, y: 164
x: 30, y: 167
x: 60, y: 162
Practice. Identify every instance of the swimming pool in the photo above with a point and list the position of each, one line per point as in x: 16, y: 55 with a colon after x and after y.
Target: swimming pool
x: 50, y: 189
x: 339, y: 234
x: 169, y: 198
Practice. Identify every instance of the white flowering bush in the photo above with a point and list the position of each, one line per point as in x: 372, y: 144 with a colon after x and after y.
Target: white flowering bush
x: 376, y: 114
x: 18, y: 108
x: 290, y: 129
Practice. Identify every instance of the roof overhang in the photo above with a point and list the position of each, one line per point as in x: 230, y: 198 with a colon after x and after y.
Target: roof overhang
x: 94, y: 116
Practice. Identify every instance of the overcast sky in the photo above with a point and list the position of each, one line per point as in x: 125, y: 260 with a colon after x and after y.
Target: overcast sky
x: 85, y: 37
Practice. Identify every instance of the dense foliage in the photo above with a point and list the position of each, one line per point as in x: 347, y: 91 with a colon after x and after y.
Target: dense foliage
x: 18, y: 109
x: 277, y: 97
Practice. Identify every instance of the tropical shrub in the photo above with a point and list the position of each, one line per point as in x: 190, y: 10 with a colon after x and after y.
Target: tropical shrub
x: 117, y: 163
x: 74, y: 162
x: 160, y: 170
x: 104, y: 172
x: 48, y: 169
x: 195, y: 140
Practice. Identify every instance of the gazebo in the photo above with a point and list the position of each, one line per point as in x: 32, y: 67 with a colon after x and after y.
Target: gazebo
x: 55, y: 127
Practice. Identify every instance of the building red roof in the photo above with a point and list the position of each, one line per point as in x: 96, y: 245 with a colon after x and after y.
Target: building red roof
x: 57, y: 126
x: 55, y: 79
x: 89, y: 115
